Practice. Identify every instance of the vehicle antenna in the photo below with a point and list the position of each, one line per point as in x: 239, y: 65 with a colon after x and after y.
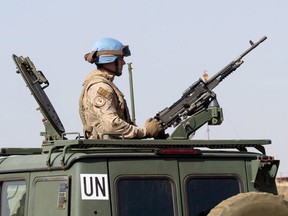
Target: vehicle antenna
x: 131, y: 92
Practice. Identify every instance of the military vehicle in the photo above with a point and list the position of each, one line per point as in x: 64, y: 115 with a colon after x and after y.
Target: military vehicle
x: 164, y: 177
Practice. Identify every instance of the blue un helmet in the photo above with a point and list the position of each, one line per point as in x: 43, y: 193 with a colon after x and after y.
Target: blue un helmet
x: 107, y: 50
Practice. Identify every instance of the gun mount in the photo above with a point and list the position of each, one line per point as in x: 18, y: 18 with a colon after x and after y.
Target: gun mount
x: 37, y: 82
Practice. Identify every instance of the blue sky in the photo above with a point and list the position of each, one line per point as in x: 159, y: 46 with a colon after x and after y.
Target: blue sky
x: 172, y: 43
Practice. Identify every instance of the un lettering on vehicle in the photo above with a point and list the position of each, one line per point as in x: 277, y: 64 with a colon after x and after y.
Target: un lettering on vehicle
x: 94, y: 187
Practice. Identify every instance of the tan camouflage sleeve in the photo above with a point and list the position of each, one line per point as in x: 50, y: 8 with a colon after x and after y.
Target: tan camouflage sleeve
x: 105, y: 102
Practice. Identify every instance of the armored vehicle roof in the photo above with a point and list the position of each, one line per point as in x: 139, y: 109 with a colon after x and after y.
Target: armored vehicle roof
x: 61, y: 154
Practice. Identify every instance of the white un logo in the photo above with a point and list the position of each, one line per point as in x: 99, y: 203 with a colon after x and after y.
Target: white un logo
x: 94, y: 186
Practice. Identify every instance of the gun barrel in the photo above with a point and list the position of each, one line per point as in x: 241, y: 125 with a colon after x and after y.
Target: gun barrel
x: 253, y: 46
x: 232, y: 66
x: 262, y: 39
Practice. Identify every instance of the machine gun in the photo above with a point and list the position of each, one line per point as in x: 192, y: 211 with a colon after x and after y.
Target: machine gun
x: 198, y: 104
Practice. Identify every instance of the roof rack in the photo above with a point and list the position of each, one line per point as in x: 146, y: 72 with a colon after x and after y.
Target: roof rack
x: 121, y: 145
x: 240, y: 145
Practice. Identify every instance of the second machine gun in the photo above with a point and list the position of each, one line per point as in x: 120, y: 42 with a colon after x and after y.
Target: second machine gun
x: 198, y: 104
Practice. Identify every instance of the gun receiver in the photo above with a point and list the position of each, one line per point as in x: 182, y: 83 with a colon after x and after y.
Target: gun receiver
x: 37, y: 82
x: 196, y: 102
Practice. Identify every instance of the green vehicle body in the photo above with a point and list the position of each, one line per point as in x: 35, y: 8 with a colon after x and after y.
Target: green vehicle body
x: 132, y: 177
x: 76, y: 177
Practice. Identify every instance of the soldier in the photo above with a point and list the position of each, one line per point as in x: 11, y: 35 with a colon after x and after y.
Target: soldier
x: 102, y: 106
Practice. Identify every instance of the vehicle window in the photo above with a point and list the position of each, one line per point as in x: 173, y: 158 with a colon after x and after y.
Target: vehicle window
x: 13, y: 198
x: 145, y: 196
x: 56, y: 202
x: 205, y: 193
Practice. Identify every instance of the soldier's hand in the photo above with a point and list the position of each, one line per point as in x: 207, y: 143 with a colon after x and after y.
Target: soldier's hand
x: 153, y: 127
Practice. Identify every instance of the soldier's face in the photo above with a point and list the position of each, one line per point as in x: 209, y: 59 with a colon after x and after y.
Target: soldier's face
x: 121, y: 63
x: 112, y: 66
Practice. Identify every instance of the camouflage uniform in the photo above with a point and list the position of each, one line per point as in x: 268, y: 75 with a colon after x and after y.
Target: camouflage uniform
x: 103, y: 109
